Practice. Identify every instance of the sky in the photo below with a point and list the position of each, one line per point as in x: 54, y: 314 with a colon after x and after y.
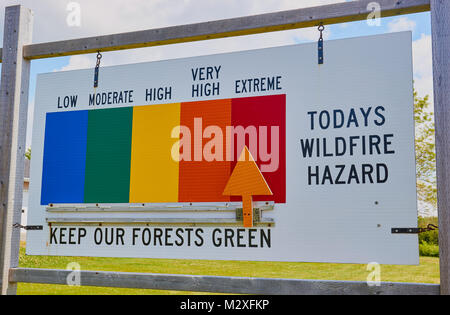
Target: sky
x: 58, y: 20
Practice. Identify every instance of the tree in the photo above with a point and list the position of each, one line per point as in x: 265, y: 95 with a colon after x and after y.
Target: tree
x: 28, y: 154
x: 425, y: 155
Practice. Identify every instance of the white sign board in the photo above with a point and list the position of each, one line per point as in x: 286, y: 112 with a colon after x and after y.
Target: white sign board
x: 138, y: 166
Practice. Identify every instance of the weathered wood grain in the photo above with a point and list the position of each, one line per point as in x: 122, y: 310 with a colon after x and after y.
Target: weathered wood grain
x: 219, y: 284
x: 14, y: 85
x: 440, y: 24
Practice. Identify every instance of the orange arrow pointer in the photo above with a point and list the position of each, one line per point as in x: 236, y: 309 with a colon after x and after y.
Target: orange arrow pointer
x: 247, y: 181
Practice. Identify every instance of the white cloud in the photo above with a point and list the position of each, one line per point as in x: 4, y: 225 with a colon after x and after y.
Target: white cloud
x: 30, y: 118
x: 103, y: 17
x: 401, y: 24
x: 423, y: 66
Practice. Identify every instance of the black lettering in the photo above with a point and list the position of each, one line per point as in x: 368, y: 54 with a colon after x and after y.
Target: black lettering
x: 312, y: 119
x: 146, y: 237
x: 98, y: 236
x: 229, y: 234
x: 109, y: 239
x: 72, y: 236
x: 236, y: 87
x: 387, y: 143
x: 366, y: 115
x: 53, y: 239
x: 378, y: 112
x: 194, y: 74
x: 168, y: 237
x: 325, y: 153
x: 352, y: 143
x: 367, y: 170
x: 327, y: 121
x: 374, y: 142
x: 327, y: 176
x: 240, y: 237
x: 271, y: 83
x: 157, y: 235
x: 311, y: 174
x: 199, y: 234
x: 217, y: 241
x: 380, y: 179
x: 62, y: 235
x: 279, y: 83
x: 307, y: 146
x: 338, y: 180
x: 251, y: 237
x: 180, y: 240
x: 337, y: 112
x: 265, y: 238
x: 353, y: 175
x: 189, y: 231
x: 81, y: 234
x: 120, y: 233
x: 341, y: 140
x: 352, y: 119
x: 135, y: 230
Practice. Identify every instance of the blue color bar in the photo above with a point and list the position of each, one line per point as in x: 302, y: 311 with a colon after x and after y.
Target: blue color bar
x: 64, y: 157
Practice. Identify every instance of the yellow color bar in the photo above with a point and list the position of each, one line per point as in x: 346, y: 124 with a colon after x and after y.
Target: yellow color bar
x: 154, y: 172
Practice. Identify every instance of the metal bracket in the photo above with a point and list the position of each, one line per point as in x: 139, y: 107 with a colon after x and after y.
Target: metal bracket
x: 321, y: 28
x: 29, y: 227
x: 155, y: 207
x: 256, y: 215
x: 405, y: 230
x: 430, y: 227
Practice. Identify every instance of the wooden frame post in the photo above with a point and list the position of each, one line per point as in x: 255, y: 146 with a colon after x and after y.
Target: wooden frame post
x: 14, y: 85
x: 440, y: 24
x: 17, y: 51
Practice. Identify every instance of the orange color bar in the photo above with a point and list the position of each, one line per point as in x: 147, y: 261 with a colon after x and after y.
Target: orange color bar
x: 204, y: 172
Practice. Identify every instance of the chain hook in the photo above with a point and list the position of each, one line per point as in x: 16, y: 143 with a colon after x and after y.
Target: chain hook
x: 99, y: 57
x: 430, y: 227
x: 97, y: 69
x: 321, y: 28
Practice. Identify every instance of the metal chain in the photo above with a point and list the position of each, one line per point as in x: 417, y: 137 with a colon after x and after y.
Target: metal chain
x: 28, y: 227
x: 97, y: 67
x: 430, y: 227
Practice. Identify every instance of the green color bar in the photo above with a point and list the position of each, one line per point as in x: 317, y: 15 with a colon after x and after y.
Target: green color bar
x: 108, y: 156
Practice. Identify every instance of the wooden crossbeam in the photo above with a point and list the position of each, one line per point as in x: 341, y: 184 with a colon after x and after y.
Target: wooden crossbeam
x: 219, y: 284
x: 248, y: 25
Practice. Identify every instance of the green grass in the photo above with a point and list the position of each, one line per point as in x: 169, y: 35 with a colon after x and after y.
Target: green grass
x: 429, y: 250
x: 426, y: 272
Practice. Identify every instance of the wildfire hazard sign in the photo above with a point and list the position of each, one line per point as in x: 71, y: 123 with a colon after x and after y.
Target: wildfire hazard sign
x: 254, y: 155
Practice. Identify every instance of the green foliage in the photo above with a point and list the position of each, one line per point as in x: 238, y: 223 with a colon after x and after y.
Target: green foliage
x: 28, y: 154
x: 429, y: 241
x: 425, y: 152
x: 430, y: 237
x: 428, y: 250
